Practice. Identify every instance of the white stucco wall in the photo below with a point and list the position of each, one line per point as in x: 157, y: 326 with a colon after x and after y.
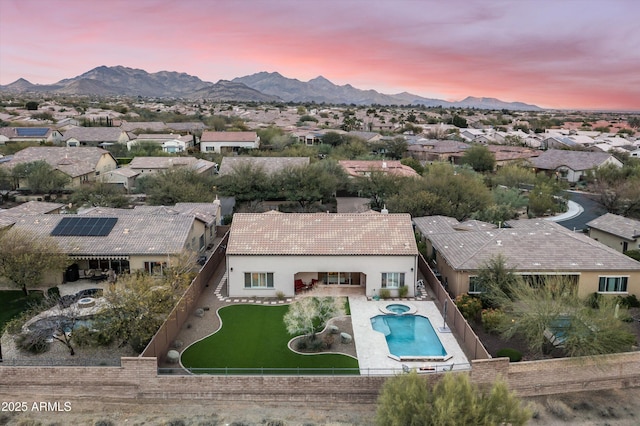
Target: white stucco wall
x: 284, y: 269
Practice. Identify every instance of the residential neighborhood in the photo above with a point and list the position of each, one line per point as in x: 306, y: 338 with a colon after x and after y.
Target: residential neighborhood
x: 383, y: 211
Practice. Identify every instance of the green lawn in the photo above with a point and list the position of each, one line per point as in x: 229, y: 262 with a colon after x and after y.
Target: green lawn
x: 254, y: 337
x: 13, y: 302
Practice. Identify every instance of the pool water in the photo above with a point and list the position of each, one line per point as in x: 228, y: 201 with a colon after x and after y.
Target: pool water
x: 398, y: 308
x: 409, y: 335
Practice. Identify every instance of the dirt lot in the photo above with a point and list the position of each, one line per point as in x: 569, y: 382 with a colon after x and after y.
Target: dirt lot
x: 614, y: 408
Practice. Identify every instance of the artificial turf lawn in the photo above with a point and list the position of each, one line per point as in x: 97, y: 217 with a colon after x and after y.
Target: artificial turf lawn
x: 255, y: 337
x: 13, y: 302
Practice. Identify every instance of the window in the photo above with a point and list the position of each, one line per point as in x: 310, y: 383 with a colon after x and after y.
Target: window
x: 392, y: 279
x: 613, y: 284
x: 475, y: 287
x: 258, y: 280
x: 209, y: 148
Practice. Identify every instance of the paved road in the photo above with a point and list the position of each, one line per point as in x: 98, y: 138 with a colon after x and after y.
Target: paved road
x: 591, y: 211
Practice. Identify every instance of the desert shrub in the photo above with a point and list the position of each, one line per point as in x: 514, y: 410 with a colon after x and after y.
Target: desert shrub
x: 53, y: 292
x: 316, y: 345
x: 84, y: 337
x: 279, y: 295
x: 403, y: 291
x: 492, y: 319
x: 558, y: 409
x: 385, y: 293
x: 593, y: 300
x: 328, y: 341
x: 469, y: 306
x: 32, y: 343
x: 104, y: 423
x: 302, y: 344
x: 513, y: 354
x: 346, y: 306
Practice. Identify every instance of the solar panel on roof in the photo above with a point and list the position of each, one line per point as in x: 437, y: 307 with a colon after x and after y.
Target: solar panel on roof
x: 32, y: 131
x: 84, y: 227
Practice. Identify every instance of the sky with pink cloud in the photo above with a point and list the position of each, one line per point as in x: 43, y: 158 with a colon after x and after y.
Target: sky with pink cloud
x: 582, y: 54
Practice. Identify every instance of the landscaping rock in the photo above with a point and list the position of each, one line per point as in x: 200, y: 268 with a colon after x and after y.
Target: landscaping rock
x: 177, y: 344
x: 199, y: 312
x: 173, y: 356
x: 333, y: 329
x: 346, y: 338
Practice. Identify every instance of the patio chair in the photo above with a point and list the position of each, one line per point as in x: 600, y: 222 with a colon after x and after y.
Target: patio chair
x: 299, y: 286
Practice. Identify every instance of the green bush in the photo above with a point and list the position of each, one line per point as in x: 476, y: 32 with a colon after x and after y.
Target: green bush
x: 630, y: 301
x: 469, y: 306
x: 513, y: 354
x: 385, y: 293
x: 403, y: 291
x: 492, y: 319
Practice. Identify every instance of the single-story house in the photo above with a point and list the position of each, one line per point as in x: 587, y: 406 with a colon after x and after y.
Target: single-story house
x: 572, y: 165
x: 268, y: 253
x: 437, y: 150
x: 29, y: 135
x: 81, y: 164
x: 95, y: 136
x: 146, y: 165
x: 169, y: 142
x: 270, y: 165
x: 123, y: 176
x: 358, y: 168
x: 532, y: 248
x: 618, y: 232
x: 222, y: 142
x: 117, y: 241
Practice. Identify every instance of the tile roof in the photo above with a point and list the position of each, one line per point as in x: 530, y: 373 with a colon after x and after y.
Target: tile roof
x: 331, y: 234
x: 362, y: 167
x: 164, y: 163
x: 575, y: 160
x: 33, y: 207
x: 131, y: 235
x: 156, y: 126
x: 620, y: 226
x: 93, y: 134
x: 541, y: 246
x: 270, y: 165
x: 76, y: 161
x: 210, y: 136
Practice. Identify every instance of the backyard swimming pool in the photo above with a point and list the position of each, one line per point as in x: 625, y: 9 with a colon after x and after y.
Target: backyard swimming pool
x: 410, y: 337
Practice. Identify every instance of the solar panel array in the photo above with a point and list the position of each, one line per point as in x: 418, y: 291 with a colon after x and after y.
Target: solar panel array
x: 84, y: 227
x: 32, y: 131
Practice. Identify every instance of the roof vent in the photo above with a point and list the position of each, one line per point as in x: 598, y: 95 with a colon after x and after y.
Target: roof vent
x: 499, y: 242
x: 384, y: 164
x: 126, y: 231
x: 384, y: 210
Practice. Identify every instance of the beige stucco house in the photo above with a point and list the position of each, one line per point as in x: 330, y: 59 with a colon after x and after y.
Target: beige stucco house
x: 228, y: 141
x: 116, y: 240
x: 618, y: 232
x: 268, y: 252
x: 532, y: 248
x: 80, y: 164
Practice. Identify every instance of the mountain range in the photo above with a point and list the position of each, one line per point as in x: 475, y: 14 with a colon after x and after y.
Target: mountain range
x: 259, y: 87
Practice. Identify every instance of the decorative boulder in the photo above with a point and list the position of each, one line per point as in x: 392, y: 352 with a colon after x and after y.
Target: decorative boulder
x: 177, y: 344
x: 346, y: 338
x: 199, y: 312
x: 333, y: 329
x: 173, y: 356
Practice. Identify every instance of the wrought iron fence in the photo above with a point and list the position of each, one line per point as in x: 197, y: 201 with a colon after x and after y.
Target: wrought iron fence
x: 265, y: 371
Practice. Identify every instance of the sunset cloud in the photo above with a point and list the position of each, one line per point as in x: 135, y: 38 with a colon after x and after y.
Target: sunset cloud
x: 570, y: 54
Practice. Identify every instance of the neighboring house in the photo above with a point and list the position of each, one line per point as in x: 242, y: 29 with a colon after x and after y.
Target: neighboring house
x: 268, y: 252
x: 116, y: 241
x: 532, y: 248
x: 368, y: 137
x: 30, y: 135
x: 437, y: 150
x: 618, y: 232
x: 190, y: 127
x: 169, y: 142
x: 123, y: 176
x: 207, y: 217
x: 143, y: 126
x: 270, y: 165
x: 572, y: 165
x: 357, y: 168
x: 223, y: 142
x: 511, y: 154
x: 95, y: 136
x: 81, y: 164
x: 34, y: 207
x: 146, y: 165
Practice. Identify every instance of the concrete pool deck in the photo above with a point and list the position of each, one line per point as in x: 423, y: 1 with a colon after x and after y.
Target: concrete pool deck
x: 371, y: 345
